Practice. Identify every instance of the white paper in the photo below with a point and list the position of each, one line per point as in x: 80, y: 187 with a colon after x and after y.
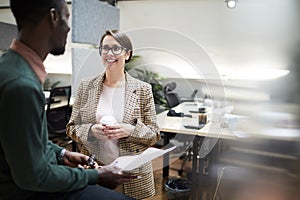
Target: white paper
x: 128, y: 163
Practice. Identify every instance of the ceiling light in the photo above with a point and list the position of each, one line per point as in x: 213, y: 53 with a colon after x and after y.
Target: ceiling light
x: 231, y: 3
x: 258, y: 74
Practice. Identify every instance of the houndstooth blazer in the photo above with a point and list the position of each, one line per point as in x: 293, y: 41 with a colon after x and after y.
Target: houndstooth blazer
x: 139, y: 111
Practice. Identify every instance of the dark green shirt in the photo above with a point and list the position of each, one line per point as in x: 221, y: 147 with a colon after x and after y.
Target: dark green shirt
x: 28, y: 161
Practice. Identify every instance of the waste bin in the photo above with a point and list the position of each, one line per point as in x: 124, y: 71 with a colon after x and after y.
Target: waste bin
x: 178, y: 189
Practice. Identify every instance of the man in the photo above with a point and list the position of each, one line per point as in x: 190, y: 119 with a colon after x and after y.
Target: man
x: 31, y: 167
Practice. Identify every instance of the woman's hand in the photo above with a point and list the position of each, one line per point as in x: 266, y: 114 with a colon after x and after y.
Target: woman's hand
x: 98, y: 132
x: 118, y: 131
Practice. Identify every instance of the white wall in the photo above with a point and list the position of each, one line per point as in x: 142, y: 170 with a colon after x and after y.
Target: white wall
x: 6, y: 16
x: 247, y: 45
x: 256, y: 34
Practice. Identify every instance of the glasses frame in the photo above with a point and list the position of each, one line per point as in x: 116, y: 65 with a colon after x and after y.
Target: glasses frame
x: 110, y: 49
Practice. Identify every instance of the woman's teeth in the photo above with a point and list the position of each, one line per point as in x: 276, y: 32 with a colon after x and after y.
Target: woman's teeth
x: 110, y: 61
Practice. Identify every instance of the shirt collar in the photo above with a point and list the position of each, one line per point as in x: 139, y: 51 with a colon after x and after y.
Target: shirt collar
x: 31, y: 57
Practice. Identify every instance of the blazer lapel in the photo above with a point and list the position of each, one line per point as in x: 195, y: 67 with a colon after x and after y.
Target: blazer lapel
x: 94, y: 96
x: 130, y: 99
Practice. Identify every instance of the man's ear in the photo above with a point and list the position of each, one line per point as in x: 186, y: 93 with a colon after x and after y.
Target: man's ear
x: 53, y: 17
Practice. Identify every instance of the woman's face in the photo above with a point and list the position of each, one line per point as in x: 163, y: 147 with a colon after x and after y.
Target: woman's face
x: 109, y: 59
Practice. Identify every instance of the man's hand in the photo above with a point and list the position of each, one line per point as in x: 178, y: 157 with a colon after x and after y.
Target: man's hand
x: 74, y: 159
x: 111, y: 176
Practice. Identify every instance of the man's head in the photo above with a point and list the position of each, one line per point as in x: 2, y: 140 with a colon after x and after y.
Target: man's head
x: 52, y: 14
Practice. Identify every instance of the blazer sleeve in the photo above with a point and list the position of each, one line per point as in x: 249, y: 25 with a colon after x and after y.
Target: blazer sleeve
x: 146, y: 129
x: 77, y: 130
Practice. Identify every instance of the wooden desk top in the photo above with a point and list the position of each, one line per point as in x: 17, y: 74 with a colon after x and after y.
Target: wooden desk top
x: 248, y: 130
x: 176, y: 125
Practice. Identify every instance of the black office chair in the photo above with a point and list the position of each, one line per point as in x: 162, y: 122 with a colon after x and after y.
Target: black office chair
x: 171, y: 97
x: 169, y: 87
x: 58, y: 114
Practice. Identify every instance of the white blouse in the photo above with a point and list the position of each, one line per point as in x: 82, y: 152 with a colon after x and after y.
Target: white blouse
x: 111, y: 103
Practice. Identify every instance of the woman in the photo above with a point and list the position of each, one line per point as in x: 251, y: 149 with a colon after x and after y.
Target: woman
x: 130, y: 101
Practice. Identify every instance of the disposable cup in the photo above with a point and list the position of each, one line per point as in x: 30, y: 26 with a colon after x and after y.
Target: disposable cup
x: 108, y: 120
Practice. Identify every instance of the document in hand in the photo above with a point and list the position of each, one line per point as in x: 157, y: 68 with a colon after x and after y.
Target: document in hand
x: 128, y: 163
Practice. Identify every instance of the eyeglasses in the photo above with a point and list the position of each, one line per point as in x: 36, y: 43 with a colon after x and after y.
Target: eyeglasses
x: 116, y: 50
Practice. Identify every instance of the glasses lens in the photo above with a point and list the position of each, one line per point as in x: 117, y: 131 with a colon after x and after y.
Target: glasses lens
x: 116, y: 50
x: 104, y: 49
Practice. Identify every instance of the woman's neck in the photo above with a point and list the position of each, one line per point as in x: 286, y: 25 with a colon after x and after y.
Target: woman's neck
x: 113, y: 79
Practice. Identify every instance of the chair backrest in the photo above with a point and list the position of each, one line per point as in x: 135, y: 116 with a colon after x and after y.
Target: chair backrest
x: 194, y: 94
x: 169, y: 87
x: 172, y: 99
x: 58, y: 109
x: 59, y: 96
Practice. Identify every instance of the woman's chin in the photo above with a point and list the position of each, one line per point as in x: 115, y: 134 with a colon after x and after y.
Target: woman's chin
x: 112, y: 65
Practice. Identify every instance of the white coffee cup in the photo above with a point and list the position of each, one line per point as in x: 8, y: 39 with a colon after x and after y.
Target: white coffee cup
x: 108, y: 120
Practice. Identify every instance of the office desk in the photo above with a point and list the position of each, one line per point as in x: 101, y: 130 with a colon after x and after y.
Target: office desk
x: 171, y: 125
x: 249, y: 131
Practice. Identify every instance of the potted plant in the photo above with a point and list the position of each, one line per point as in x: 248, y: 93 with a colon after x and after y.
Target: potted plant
x: 48, y: 85
x: 153, y: 78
